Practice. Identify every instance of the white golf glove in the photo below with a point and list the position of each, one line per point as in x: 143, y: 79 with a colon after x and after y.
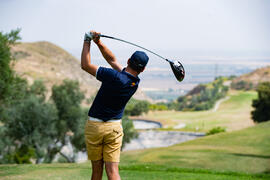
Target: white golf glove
x: 88, y: 36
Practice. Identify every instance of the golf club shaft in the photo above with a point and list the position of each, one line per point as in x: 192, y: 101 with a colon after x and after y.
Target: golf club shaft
x: 110, y: 37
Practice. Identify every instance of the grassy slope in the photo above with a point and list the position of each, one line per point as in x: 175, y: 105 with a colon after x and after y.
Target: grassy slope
x: 234, y: 155
x: 247, y: 150
x: 233, y: 114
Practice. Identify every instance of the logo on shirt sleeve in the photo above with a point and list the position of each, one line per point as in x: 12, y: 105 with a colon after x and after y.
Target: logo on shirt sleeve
x: 133, y: 84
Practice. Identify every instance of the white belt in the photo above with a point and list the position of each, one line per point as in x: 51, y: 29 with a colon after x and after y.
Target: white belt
x: 100, y: 120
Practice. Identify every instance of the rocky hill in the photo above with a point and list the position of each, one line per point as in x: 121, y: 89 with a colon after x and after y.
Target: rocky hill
x: 253, y: 78
x: 52, y: 64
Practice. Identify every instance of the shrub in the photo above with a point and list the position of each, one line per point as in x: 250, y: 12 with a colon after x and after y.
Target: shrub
x: 136, y: 107
x: 216, y: 130
x: 242, y: 85
x: 129, y: 131
x: 262, y: 104
x: 158, y: 107
x: 24, y: 154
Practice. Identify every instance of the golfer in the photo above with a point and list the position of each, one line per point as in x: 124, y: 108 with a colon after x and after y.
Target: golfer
x: 103, y: 129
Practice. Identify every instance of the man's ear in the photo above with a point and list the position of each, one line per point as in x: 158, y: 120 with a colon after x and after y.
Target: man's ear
x: 128, y: 62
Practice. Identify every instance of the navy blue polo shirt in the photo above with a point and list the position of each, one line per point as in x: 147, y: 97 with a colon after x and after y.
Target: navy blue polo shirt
x: 115, y: 91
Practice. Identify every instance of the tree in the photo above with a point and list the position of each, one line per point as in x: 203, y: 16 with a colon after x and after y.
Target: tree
x: 136, y: 107
x: 129, y: 131
x: 77, y: 140
x: 12, y: 87
x: 7, y: 75
x: 67, y: 98
x: 5, y: 147
x: 262, y: 104
x: 31, y: 124
x: 38, y: 88
x: 242, y: 85
x: 16, y: 108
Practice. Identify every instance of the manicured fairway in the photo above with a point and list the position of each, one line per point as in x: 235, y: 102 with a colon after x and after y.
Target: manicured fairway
x: 233, y: 114
x: 246, y: 150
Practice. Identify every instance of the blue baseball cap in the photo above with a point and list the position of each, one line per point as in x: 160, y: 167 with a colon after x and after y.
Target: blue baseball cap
x: 139, y: 59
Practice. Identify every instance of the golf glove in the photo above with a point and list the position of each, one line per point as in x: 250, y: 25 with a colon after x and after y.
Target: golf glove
x: 88, y: 37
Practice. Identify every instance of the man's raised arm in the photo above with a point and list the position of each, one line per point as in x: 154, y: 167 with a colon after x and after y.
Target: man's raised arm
x: 86, y: 59
x: 106, y: 53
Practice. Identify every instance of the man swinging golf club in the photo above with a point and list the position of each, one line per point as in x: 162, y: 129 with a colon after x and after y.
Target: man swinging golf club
x: 103, y: 130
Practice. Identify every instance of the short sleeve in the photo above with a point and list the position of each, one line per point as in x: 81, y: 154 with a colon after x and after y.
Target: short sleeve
x: 105, y: 74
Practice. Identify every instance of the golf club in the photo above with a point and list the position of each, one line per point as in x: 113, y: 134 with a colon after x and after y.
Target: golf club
x: 176, y: 66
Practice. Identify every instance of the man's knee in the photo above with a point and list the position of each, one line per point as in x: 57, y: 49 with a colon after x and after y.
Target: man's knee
x: 97, y: 165
x: 111, y: 168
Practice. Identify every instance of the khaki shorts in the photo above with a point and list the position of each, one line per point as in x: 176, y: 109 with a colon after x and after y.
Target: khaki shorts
x: 103, y: 140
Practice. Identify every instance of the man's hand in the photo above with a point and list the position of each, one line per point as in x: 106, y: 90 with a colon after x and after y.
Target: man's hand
x: 106, y: 53
x: 88, y: 37
x: 95, y: 36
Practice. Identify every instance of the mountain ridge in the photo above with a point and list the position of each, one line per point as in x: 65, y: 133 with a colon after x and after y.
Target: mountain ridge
x: 255, y: 77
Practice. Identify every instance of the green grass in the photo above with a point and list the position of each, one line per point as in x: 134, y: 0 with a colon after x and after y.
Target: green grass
x: 233, y: 114
x: 238, y: 155
x: 246, y: 151
x: 127, y: 172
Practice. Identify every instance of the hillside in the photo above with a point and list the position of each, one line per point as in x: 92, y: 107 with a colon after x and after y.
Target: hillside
x: 255, y: 77
x: 46, y: 61
x: 52, y: 64
x: 245, y: 150
x: 233, y: 114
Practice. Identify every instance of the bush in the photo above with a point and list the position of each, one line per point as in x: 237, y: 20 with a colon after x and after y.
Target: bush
x: 136, y: 107
x: 242, y: 85
x: 24, y: 154
x: 158, y: 107
x: 129, y: 131
x: 262, y: 104
x: 216, y: 130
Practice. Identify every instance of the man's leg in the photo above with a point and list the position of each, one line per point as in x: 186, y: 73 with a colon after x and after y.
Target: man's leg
x: 112, y: 170
x: 97, y: 169
x: 112, y: 149
x: 93, y: 141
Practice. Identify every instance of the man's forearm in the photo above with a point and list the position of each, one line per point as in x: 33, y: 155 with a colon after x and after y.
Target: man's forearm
x: 85, y: 57
x: 86, y: 60
x: 106, y: 53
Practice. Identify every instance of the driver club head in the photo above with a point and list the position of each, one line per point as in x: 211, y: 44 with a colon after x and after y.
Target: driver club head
x: 178, y: 70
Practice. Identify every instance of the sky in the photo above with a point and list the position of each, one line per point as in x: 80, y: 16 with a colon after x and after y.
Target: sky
x: 204, y: 26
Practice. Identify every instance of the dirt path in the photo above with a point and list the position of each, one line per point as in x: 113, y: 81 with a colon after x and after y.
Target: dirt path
x: 219, y: 102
